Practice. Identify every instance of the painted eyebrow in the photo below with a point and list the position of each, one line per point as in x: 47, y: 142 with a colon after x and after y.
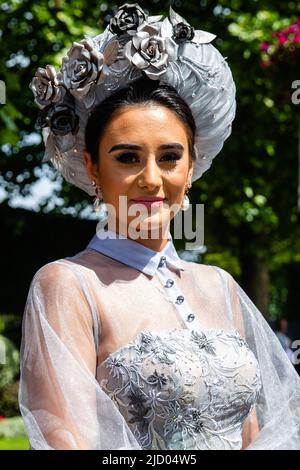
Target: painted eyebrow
x: 138, y: 147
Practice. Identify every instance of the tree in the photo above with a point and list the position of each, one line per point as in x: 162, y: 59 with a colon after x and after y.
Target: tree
x: 251, y: 216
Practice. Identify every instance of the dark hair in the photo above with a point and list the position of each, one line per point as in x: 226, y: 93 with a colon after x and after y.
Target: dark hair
x: 141, y: 91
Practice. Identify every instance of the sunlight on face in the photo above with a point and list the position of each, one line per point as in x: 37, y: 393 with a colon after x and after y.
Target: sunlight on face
x: 133, y: 163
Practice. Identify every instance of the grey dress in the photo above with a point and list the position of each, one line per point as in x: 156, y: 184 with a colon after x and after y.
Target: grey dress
x: 128, y: 348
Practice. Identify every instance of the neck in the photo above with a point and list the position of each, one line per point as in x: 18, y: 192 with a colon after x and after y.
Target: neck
x: 152, y: 244
x: 155, y: 240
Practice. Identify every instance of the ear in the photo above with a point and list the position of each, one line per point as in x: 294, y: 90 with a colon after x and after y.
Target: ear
x: 91, y: 168
x: 191, y: 169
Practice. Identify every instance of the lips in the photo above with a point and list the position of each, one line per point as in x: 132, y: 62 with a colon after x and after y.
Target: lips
x: 149, y: 199
x: 150, y: 202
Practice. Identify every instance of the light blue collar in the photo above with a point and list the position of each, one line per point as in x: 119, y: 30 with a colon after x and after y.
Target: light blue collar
x: 134, y: 254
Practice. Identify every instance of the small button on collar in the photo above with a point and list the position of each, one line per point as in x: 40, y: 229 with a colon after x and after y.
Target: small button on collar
x: 162, y: 261
x: 179, y: 299
x: 169, y: 283
x: 191, y: 317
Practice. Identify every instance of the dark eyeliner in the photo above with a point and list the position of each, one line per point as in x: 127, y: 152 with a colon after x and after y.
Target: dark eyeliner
x: 175, y: 156
x: 119, y: 157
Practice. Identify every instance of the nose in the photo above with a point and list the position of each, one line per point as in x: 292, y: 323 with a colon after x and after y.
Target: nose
x: 150, y: 176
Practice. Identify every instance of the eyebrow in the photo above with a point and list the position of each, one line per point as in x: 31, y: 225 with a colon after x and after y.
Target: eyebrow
x: 138, y: 147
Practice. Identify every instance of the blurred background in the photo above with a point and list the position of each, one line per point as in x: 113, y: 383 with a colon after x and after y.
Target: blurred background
x: 251, y: 194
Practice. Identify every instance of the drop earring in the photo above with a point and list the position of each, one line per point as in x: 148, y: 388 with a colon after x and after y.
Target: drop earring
x: 98, y: 201
x: 186, y: 202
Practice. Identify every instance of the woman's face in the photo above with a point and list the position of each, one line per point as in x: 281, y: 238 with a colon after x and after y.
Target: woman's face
x: 143, y: 153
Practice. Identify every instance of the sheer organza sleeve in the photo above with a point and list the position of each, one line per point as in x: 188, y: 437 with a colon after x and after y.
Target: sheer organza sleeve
x: 274, y: 422
x: 62, y: 404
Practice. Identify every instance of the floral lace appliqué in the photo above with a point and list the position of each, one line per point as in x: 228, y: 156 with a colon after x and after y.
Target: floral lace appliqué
x: 184, y: 389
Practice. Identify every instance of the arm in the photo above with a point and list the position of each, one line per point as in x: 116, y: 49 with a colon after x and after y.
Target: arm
x: 62, y: 404
x: 274, y: 423
x: 57, y: 351
x: 250, y: 429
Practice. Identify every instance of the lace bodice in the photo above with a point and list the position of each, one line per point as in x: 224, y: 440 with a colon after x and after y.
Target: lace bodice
x: 184, y: 388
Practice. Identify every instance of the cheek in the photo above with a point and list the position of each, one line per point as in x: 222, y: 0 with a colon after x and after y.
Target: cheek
x: 176, y: 183
x: 114, y: 182
x: 121, y: 181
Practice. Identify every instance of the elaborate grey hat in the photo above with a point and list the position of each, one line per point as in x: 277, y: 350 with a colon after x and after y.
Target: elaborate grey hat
x: 133, y: 44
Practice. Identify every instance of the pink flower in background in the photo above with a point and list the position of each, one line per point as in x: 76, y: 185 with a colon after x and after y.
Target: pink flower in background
x: 2, y: 418
x: 283, y: 46
x: 264, y: 46
x: 296, y: 38
x: 292, y: 29
x: 282, y: 38
x: 288, y: 34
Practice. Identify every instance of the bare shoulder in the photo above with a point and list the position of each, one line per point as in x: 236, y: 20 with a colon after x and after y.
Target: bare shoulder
x: 54, y: 272
x: 212, y: 273
x: 208, y: 270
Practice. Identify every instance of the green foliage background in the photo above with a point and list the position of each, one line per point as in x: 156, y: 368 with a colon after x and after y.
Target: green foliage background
x: 250, y: 194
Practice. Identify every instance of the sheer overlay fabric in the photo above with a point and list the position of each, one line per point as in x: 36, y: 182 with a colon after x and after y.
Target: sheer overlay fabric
x: 109, y: 362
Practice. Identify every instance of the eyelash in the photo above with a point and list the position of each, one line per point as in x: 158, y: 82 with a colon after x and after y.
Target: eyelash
x: 174, y: 155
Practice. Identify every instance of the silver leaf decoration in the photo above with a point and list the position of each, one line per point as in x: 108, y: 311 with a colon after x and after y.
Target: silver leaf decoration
x: 154, y: 19
x: 175, y: 17
x: 45, y: 134
x: 50, y: 149
x: 166, y: 28
x: 90, y: 98
x: 202, y: 37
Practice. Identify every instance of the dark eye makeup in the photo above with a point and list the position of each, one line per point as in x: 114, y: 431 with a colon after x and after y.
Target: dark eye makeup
x: 126, y: 157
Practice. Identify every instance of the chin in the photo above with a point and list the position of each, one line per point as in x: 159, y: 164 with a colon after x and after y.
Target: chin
x: 155, y: 222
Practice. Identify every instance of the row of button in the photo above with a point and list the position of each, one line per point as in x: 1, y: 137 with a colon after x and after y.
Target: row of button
x: 170, y: 283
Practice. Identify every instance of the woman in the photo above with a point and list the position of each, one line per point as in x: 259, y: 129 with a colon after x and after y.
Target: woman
x: 125, y: 345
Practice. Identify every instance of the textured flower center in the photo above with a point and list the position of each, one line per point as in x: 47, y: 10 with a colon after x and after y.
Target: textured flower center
x: 151, y: 50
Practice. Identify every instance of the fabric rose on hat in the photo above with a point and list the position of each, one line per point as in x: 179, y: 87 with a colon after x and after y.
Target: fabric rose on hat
x: 183, y: 32
x: 128, y: 18
x: 149, y: 51
x: 46, y: 86
x: 82, y: 67
x: 60, y: 118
